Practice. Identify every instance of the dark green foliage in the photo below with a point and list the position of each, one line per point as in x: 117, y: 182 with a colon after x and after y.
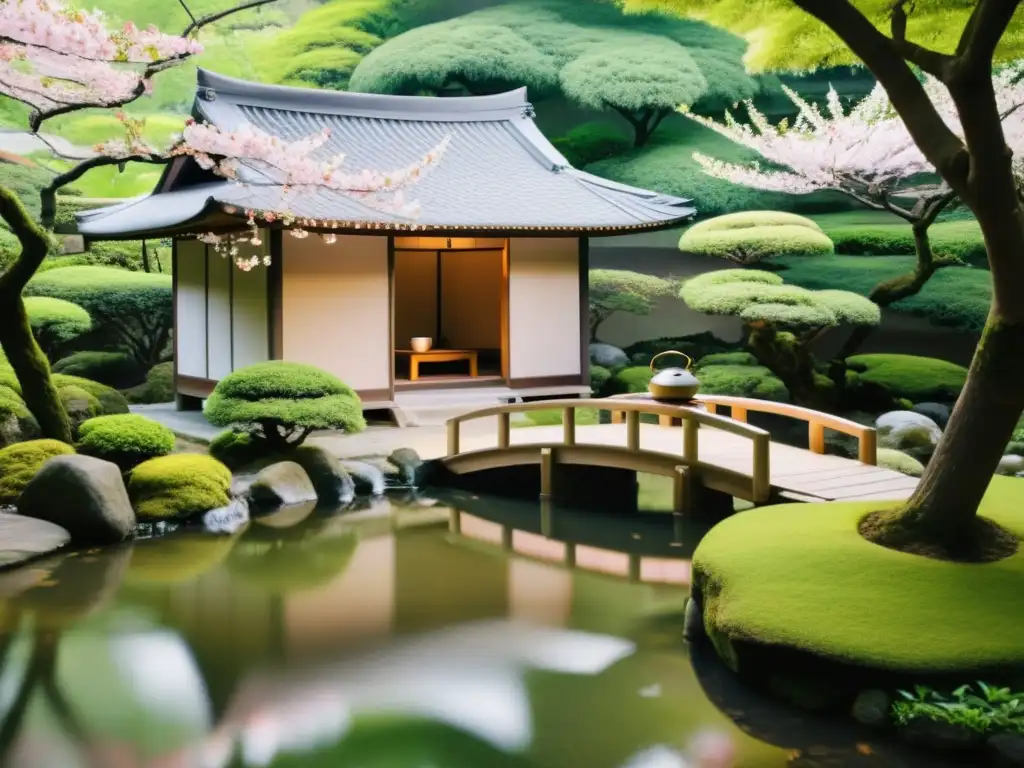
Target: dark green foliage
x: 157, y: 388
x: 960, y: 238
x: 115, y: 369
x: 238, y: 449
x: 726, y: 358
x: 697, y: 346
x: 629, y: 380
x: 986, y: 709
x: 742, y: 380
x: 283, y: 402
x: 56, y: 323
x: 591, y: 142
x: 19, y: 463
x: 111, y: 401
x: 129, y: 309
x: 27, y: 182
x: 179, y: 486
x: 125, y: 439
x: 956, y: 297
x: 753, y: 236
x: 618, y: 290
x: 918, y: 379
x: 599, y: 378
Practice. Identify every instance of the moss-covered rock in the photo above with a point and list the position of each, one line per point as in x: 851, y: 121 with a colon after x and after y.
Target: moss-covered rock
x: 332, y: 483
x: 126, y: 440
x: 918, y: 379
x: 178, y: 487
x: 281, y: 484
x: 114, y: 369
x: 111, y: 401
x: 21, y: 462
x: 889, y: 458
x: 16, y: 422
x: 157, y: 388
x: 79, y: 405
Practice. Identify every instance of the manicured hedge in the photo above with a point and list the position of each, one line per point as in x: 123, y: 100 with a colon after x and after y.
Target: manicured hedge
x: 599, y: 378
x: 115, y: 369
x: 742, y: 380
x: 629, y: 380
x: 955, y: 238
x: 918, y: 379
x: 125, y: 439
x: 56, y: 322
x: 752, y: 236
x: 19, y: 463
x: 179, y: 486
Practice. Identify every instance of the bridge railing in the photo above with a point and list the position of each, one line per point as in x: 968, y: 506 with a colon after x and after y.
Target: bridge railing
x: 690, y: 417
x: 817, y: 422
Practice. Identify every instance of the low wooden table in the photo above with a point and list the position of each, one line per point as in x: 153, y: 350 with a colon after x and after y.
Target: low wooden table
x: 438, y: 356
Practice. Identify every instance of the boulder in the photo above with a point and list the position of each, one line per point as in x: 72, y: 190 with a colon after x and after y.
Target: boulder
x: 408, y: 463
x: 24, y: 538
x: 871, y: 707
x: 607, y: 355
x: 693, y: 621
x: 1010, y: 465
x: 940, y: 735
x: 937, y: 412
x: 1007, y: 749
x: 367, y: 477
x: 912, y: 433
x: 332, y: 483
x: 893, y: 420
x: 281, y: 484
x: 84, y: 495
x: 227, y: 519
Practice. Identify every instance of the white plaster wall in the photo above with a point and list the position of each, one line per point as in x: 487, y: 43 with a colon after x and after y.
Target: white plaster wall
x: 218, y: 315
x: 190, y: 323
x: 544, y: 307
x: 250, y: 330
x: 336, y: 307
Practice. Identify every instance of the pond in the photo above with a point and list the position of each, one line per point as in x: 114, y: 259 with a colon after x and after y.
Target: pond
x: 416, y: 632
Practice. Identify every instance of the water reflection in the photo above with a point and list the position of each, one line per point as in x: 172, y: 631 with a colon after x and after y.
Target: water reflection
x: 409, y: 633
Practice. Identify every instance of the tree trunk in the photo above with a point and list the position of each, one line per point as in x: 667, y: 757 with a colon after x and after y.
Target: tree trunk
x: 791, y: 361
x: 146, y: 266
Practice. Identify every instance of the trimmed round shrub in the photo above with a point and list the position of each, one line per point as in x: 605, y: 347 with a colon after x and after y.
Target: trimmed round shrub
x: 124, y: 439
x: 79, y: 404
x: 890, y: 458
x: 157, y: 388
x: 918, y: 379
x: 742, y: 381
x: 283, y: 402
x: 115, y: 369
x: 726, y: 358
x: 19, y: 463
x: 111, y: 401
x: 599, y: 378
x: 55, y: 322
x: 179, y: 486
x: 753, y: 236
x: 630, y: 380
x: 238, y: 449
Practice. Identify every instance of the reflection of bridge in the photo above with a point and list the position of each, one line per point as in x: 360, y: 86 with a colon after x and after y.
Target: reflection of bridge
x: 721, y: 453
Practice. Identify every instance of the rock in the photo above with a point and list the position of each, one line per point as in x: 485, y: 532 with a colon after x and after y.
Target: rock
x: 332, y: 483
x: 227, y: 519
x: 693, y: 622
x: 912, y: 433
x: 871, y: 707
x: 368, y: 478
x: 82, y: 494
x: 937, y: 412
x: 24, y: 538
x: 287, y: 517
x: 939, y: 735
x: 887, y: 422
x: 1007, y: 749
x: 1010, y: 465
x: 607, y: 355
x: 408, y: 463
x: 281, y: 484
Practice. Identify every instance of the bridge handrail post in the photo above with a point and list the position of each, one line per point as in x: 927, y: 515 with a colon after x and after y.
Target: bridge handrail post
x: 569, y: 425
x: 816, y: 436
x: 504, y: 430
x: 453, y: 437
x: 633, y: 430
x: 867, y: 450
x: 691, y: 440
x: 762, y: 482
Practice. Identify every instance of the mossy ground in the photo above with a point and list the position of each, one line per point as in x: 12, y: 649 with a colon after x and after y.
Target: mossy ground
x: 801, y: 577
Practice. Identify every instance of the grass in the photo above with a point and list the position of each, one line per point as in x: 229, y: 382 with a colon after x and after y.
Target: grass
x: 550, y: 417
x: 918, y: 379
x: 800, y: 576
x: 867, y: 232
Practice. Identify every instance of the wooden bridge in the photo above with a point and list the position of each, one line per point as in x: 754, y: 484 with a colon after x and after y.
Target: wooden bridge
x: 693, y: 444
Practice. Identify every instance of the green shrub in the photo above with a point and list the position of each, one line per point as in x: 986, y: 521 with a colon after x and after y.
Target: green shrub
x: 726, y: 358
x: 115, y: 369
x: 79, y: 405
x: 753, y: 236
x: 124, y: 439
x: 238, y: 449
x: 918, y: 379
x: 630, y: 380
x: 599, y: 378
x: 284, y: 402
x: 19, y: 463
x: 742, y: 381
x: 179, y: 486
x: 55, y: 322
x: 129, y: 309
x: 697, y: 346
x: 898, y: 461
x: 111, y: 401
x: 883, y: 235
x: 591, y: 142
x: 985, y: 710
x: 157, y: 388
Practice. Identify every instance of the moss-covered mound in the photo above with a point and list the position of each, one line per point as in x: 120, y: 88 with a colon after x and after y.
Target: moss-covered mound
x: 918, y: 379
x: 752, y: 236
x: 898, y: 461
x: 178, y: 487
x: 19, y: 463
x: 801, y: 577
x: 124, y: 439
x: 157, y: 388
x: 56, y: 322
x: 111, y: 401
x: 115, y: 369
x: 629, y: 380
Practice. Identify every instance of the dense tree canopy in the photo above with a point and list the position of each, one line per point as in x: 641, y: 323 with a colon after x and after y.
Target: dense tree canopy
x: 784, y: 37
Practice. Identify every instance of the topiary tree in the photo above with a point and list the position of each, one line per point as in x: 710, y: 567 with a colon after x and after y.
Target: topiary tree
x: 124, y: 439
x: 130, y: 310
x: 619, y: 290
x: 781, y: 321
x: 56, y: 323
x: 753, y: 236
x: 19, y: 464
x: 281, y: 403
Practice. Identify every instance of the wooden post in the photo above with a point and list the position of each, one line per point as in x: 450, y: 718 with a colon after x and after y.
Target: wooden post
x: 762, y: 485
x: 633, y: 430
x: 570, y: 554
x: 690, y: 438
x: 682, y: 492
x: 816, y: 436
x: 455, y: 521
x: 569, y: 426
x: 634, y: 567
x: 504, y: 430
x: 867, y: 452
x: 547, y: 466
x: 738, y: 413
x: 506, y: 537
x: 453, y: 437
x: 618, y: 417
x: 545, y: 518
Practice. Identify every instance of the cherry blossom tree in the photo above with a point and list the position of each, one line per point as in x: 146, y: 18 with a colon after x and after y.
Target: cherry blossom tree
x: 59, y: 60
x: 867, y: 153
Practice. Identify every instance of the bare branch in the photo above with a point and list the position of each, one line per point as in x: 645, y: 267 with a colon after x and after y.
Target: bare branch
x: 982, y: 33
x: 932, y: 62
x: 202, y: 22
x: 190, y: 14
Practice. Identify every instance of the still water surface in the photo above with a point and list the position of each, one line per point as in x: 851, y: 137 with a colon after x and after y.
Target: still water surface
x: 413, y: 634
